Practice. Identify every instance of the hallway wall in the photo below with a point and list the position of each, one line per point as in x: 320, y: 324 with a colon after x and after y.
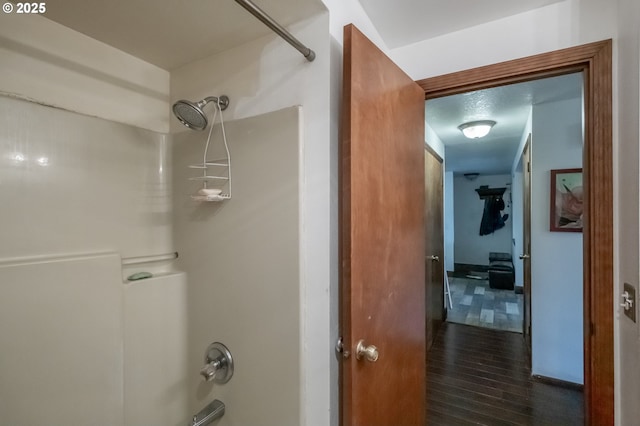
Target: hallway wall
x: 556, y: 257
x: 469, y: 246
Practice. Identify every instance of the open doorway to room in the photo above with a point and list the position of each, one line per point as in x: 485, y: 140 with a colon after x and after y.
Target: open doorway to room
x: 484, y: 229
x: 500, y: 227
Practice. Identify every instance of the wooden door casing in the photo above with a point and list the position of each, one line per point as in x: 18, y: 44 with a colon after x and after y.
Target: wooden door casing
x: 382, y: 239
x: 595, y: 61
x: 434, y: 239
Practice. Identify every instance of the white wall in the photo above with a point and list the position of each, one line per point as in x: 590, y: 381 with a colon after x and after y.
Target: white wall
x: 263, y: 76
x: 242, y: 261
x: 343, y: 12
x: 470, y: 247
x: 626, y: 193
x: 54, y: 65
x: 559, y: 25
x: 556, y: 257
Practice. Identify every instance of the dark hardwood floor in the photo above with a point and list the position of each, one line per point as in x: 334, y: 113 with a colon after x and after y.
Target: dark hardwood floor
x: 478, y: 376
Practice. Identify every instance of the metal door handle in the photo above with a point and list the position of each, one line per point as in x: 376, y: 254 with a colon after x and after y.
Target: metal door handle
x: 370, y: 353
x: 524, y: 256
x: 435, y: 258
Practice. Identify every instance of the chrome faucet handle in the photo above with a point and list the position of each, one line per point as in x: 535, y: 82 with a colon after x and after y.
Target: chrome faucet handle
x: 218, y: 364
x: 210, y: 370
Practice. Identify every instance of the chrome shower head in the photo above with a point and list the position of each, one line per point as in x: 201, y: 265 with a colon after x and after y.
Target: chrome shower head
x: 192, y: 114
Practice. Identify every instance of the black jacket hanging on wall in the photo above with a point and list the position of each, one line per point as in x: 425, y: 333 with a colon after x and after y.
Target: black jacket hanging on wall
x: 492, y: 218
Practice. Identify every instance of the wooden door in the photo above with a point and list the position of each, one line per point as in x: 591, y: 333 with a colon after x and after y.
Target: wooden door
x: 526, y: 241
x: 434, y: 240
x: 382, y: 240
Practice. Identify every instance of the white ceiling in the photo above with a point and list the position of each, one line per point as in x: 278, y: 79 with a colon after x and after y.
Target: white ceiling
x: 171, y: 33
x: 508, y: 106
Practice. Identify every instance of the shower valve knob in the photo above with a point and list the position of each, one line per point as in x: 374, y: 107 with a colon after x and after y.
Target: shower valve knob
x: 218, y: 366
x: 210, y: 370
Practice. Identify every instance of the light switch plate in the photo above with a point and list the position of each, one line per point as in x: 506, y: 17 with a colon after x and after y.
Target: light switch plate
x: 631, y: 313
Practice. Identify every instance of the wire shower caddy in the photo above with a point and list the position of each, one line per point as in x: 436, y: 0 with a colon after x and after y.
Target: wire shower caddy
x: 216, y: 173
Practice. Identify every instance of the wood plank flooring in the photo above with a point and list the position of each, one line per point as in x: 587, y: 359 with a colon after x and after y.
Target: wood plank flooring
x: 479, y: 376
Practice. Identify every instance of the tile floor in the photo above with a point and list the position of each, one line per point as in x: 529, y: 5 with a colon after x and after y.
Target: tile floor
x: 475, y: 303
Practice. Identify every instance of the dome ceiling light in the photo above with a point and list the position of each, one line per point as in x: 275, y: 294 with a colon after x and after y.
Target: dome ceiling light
x: 476, y: 129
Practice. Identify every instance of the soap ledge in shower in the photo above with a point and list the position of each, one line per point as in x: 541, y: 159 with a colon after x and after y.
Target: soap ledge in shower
x: 157, y: 276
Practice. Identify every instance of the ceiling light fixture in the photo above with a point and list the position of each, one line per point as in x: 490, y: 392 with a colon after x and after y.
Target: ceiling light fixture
x: 476, y: 129
x: 471, y: 176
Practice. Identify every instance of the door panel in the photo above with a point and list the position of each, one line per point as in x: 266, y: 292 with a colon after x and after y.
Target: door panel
x: 382, y: 239
x: 526, y: 242
x: 434, y: 239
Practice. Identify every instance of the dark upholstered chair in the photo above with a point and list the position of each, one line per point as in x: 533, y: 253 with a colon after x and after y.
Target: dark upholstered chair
x: 501, y: 273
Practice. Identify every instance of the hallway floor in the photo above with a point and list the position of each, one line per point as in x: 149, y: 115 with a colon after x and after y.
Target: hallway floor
x: 475, y: 303
x: 478, y: 376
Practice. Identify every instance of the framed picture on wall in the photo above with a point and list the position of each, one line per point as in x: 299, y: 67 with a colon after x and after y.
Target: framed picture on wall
x: 566, y: 198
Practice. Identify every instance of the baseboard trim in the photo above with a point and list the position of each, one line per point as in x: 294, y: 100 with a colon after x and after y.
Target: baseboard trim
x: 558, y: 382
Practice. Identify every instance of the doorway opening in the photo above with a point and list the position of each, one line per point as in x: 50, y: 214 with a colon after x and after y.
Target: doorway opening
x: 537, y: 128
x: 382, y: 206
x: 594, y: 60
x: 484, y: 228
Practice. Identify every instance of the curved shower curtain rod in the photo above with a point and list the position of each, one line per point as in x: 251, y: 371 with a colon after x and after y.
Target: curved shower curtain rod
x: 277, y: 28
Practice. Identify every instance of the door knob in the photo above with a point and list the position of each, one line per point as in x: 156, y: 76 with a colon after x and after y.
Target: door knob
x: 524, y: 256
x: 435, y: 258
x: 370, y: 353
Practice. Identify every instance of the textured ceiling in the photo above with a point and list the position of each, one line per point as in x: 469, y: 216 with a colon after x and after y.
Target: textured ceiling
x: 171, y: 33
x: 402, y: 22
x: 508, y: 106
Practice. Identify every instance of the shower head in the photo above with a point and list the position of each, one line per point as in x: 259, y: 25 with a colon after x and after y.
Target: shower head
x: 192, y: 114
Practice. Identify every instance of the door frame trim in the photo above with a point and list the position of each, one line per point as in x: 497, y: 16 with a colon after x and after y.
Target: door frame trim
x: 595, y: 61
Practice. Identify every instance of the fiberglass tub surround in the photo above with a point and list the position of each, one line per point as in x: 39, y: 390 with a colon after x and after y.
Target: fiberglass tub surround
x: 90, y: 202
